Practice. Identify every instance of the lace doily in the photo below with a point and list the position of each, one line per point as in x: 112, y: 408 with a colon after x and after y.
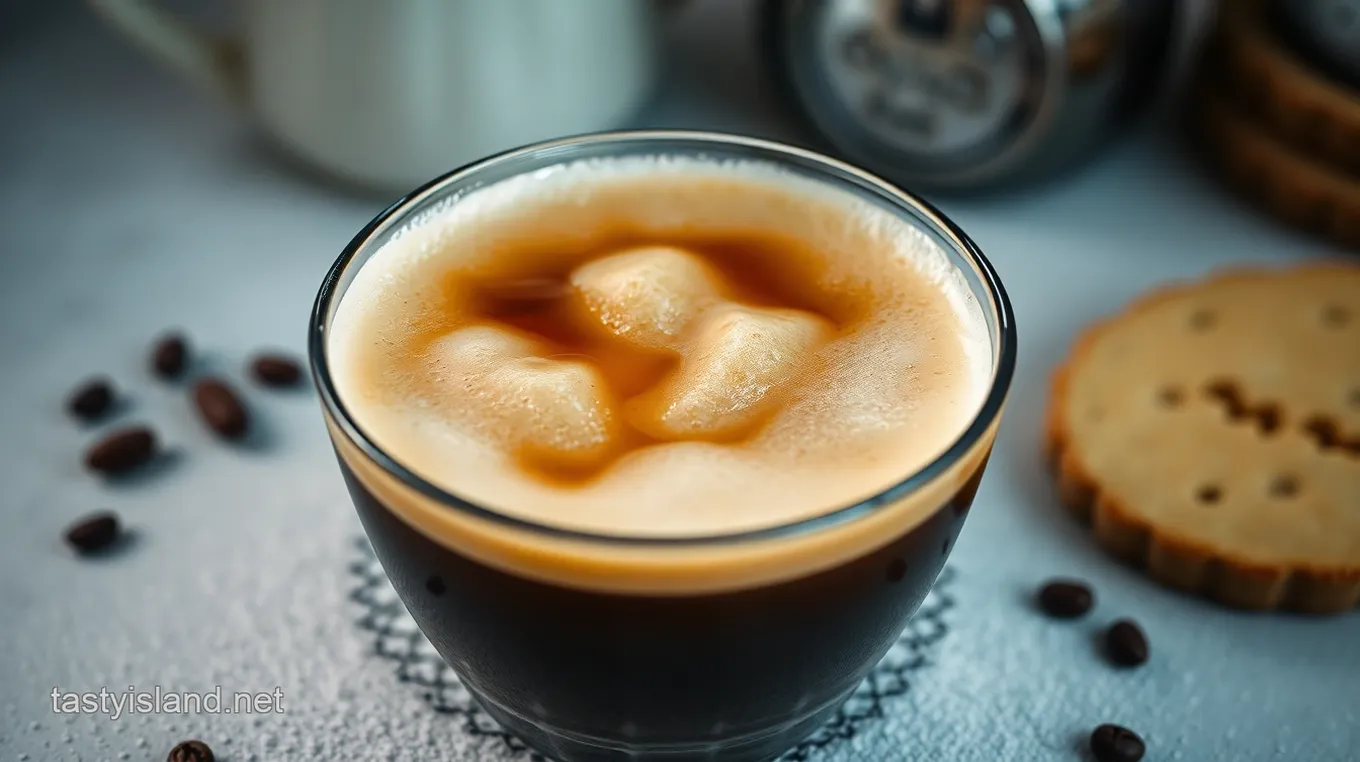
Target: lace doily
x: 396, y: 638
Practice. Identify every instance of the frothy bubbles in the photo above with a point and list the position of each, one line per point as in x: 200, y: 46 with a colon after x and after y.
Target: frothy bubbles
x: 849, y: 355
x: 740, y: 359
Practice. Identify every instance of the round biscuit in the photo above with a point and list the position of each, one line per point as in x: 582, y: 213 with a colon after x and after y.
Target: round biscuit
x: 1211, y: 434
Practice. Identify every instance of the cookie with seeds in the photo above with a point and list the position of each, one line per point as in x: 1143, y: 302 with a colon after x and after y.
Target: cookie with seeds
x: 1210, y: 433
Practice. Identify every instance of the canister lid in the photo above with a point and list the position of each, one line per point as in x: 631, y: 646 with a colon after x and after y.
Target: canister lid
x: 935, y: 93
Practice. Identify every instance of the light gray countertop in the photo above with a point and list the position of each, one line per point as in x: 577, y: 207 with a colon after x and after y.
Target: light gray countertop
x: 128, y: 204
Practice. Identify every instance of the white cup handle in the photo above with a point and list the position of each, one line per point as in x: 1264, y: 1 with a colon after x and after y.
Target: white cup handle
x: 214, y: 64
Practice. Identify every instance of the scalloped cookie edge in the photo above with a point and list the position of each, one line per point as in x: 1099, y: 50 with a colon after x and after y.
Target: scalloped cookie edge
x: 1173, y: 560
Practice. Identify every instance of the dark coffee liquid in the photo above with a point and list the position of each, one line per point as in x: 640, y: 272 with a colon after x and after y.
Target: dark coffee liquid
x: 757, y: 669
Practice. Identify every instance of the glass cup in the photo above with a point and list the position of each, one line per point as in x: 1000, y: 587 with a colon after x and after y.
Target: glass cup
x: 599, y: 647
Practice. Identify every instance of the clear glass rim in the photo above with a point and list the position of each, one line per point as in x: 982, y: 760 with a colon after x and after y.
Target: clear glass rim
x: 1004, y: 354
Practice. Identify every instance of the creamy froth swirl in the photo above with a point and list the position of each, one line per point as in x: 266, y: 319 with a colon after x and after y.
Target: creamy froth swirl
x: 834, y: 400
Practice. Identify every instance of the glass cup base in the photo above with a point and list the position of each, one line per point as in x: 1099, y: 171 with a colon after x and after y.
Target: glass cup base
x: 563, y: 746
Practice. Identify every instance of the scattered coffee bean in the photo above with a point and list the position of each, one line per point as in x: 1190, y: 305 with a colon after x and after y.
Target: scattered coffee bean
x: 1065, y: 598
x: 275, y: 370
x: 191, y: 751
x: 1126, y: 644
x: 1111, y: 743
x: 121, y: 450
x: 221, y: 408
x: 169, y: 355
x: 91, y: 399
x: 93, y: 532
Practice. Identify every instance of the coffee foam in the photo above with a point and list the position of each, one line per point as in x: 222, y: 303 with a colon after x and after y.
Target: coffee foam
x: 889, y: 396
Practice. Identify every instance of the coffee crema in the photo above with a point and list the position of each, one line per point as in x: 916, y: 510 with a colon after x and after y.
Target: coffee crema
x: 661, y: 347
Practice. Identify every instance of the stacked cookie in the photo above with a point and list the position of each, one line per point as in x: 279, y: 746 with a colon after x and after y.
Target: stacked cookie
x: 1283, y: 130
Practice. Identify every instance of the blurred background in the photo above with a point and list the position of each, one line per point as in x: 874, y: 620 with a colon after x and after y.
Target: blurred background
x: 197, y: 165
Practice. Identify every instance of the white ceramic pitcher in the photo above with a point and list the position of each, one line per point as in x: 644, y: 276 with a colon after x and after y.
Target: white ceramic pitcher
x: 390, y: 93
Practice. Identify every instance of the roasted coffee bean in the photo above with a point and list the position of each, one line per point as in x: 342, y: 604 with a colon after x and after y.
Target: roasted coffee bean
x: 1065, y: 598
x: 221, y: 408
x: 121, y: 450
x: 93, y: 532
x: 1111, y: 743
x: 169, y: 355
x: 1126, y: 644
x: 91, y: 400
x: 191, y: 751
x: 275, y: 370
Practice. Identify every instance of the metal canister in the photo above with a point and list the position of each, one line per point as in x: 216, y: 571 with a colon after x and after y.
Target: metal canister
x: 968, y: 94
